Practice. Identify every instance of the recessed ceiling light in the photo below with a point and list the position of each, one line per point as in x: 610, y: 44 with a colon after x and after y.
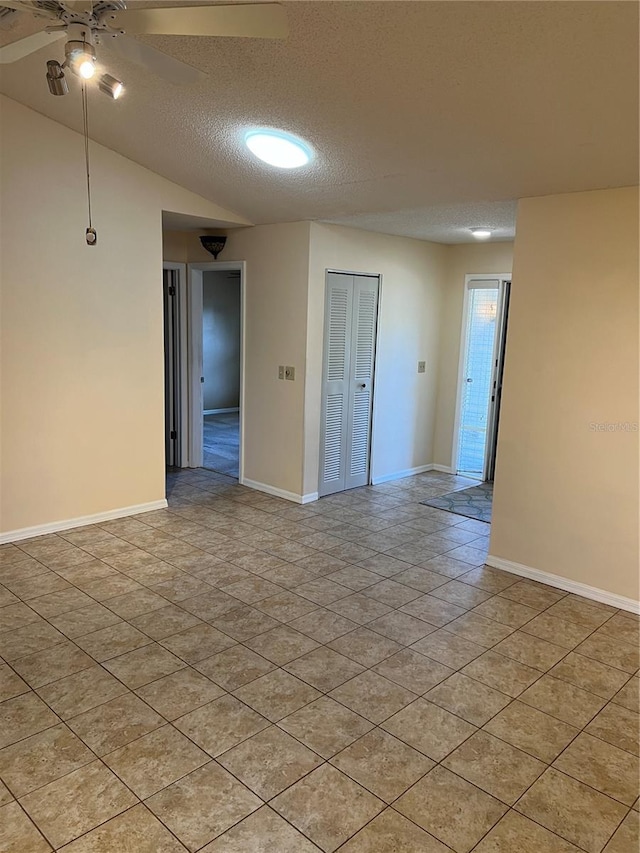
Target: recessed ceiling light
x: 278, y: 148
x: 481, y: 233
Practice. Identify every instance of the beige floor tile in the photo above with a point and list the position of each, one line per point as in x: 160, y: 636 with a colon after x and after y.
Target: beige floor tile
x: 252, y: 589
x: 506, y: 612
x: 17, y: 616
x: 502, y: 673
x: 627, y: 837
x: 23, y: 716
x: 234, y: 667
x: 365, y: 646
x: 452, y: 810
x: 110, y: 642
x: 533, y: 594
x: 264, y: 831
x: 10, y: 684
x: 433, y: 610
x: 107, y: 588
x: 561, y: 804
x: 582, y: 612
x: 269, y: 762
x: 277, y: 694
x: 531, y: 730
x: 372, y: 696
x: 133, y: 831
x: 382, y: 764
x: 591, y: 675
x: 325, y: 726
x: 560, y: 632
x: 563, y: 700
x: 166, y: 621
x: 531, y: 651
x: 197, y: 643
x: 448, y: 649
x: 243, y: 623
x: 618, y: 726
x: 28, y: 640
x: 322, y: 590
x: 155, y: 760
x: 396, y: 594
x: 419, y: 579
x: 77, y: 802
x: 180, y: 692
x: 327, y: 807
x: 474, y: 702
x: 115, y: 723
x: 515, y: 833
x: 36, y: 585
x: 281, y: 645
x: 617, y: 653
x: 80, y: 692
x: 5, y: 795
x: 356, y: 578
x: 495, y: 766
x: 429, y: 728
x: 389, y: 831
x: 629, y: 695
x: 479, y: 629
x: 86, y: 620
x: 41, y: 759
x: 221, y: 724
x: 412, y: 670
x: 285, y: 606
x: 323, y: 625
x: 619, y: 627
x: 401, y: 627
x: 324, y: 669
x: 461, y: 594
x: 359, y: 608
x: 52, y: 664
x: 135, y: 603
x: 18, y: 834
x: 491, y: 580
x: 203, y: 804
x: 604, y: 767
x: 143, y: 665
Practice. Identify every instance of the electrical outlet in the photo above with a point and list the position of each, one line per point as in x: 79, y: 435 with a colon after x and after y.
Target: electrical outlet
x: 281, y: 371
x: 422, y: 367
x: 290, y: 373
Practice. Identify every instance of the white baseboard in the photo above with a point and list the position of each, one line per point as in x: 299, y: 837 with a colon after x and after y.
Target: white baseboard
x: 82, y: 521
x: 219, y: 411
x: 280, y: 493
x: 583, y: 589
x: 399, y: 475
x: 443, y: 469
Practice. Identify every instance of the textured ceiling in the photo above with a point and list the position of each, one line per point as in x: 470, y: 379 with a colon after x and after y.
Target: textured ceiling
x: 427, y: 117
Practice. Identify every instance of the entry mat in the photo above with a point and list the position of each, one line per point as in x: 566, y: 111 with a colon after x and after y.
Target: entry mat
x: 474, y: 502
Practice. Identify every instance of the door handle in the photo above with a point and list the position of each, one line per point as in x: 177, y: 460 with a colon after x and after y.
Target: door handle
x: 362, y: 385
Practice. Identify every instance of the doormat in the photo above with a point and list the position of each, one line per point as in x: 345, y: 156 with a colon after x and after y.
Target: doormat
x: 473, y: 503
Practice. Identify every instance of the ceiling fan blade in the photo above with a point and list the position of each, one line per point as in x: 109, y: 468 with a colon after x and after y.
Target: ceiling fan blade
x: 256, y: 20
x: 159, y: 63
x: 78, y: 5
x: 23, y: 47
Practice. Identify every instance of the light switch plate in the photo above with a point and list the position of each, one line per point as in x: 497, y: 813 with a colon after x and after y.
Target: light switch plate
x: 422, y: 367
x: 290, y: 373
x: 281, y: 371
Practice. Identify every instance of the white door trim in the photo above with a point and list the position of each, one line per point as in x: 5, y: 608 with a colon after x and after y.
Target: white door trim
x: 194, y: 336
x: 181, y: 269
x: 496, y: 276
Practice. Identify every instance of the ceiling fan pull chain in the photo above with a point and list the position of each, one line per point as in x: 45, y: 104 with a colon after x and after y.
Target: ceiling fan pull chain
x: 90, y: 234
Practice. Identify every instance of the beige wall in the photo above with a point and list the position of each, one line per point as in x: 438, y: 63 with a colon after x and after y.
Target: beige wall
x: 461, y: 260
x: 82, y: 426
x: 566, y: 495
x: 409, y: 321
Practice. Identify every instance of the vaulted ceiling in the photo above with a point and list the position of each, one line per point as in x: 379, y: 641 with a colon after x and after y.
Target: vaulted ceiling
x: 427, y: 118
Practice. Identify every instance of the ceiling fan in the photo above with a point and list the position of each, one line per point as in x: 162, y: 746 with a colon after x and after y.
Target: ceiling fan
x: 87, y: 23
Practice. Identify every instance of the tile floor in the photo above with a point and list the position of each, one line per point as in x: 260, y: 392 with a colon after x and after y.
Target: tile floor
x: 241, y: 675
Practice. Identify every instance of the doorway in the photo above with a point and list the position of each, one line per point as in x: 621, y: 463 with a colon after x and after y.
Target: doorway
x: 221, y: 371
x: 215, y: 334
x: 351, y: 315
x: 485, y: 313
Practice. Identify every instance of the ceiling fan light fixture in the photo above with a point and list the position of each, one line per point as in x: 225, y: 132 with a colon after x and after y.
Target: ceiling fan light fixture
x: 277, y: 148
x: 56, y: 79
x: 481, y: 233
x: 81, y: 58
x: 111, y: 86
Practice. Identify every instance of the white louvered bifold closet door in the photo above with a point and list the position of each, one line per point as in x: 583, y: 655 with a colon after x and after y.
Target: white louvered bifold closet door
x: 351, y: 310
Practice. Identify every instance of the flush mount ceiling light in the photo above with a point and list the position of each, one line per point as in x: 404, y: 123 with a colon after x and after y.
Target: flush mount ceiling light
x: 277, y: 148
x: 481, y: 233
